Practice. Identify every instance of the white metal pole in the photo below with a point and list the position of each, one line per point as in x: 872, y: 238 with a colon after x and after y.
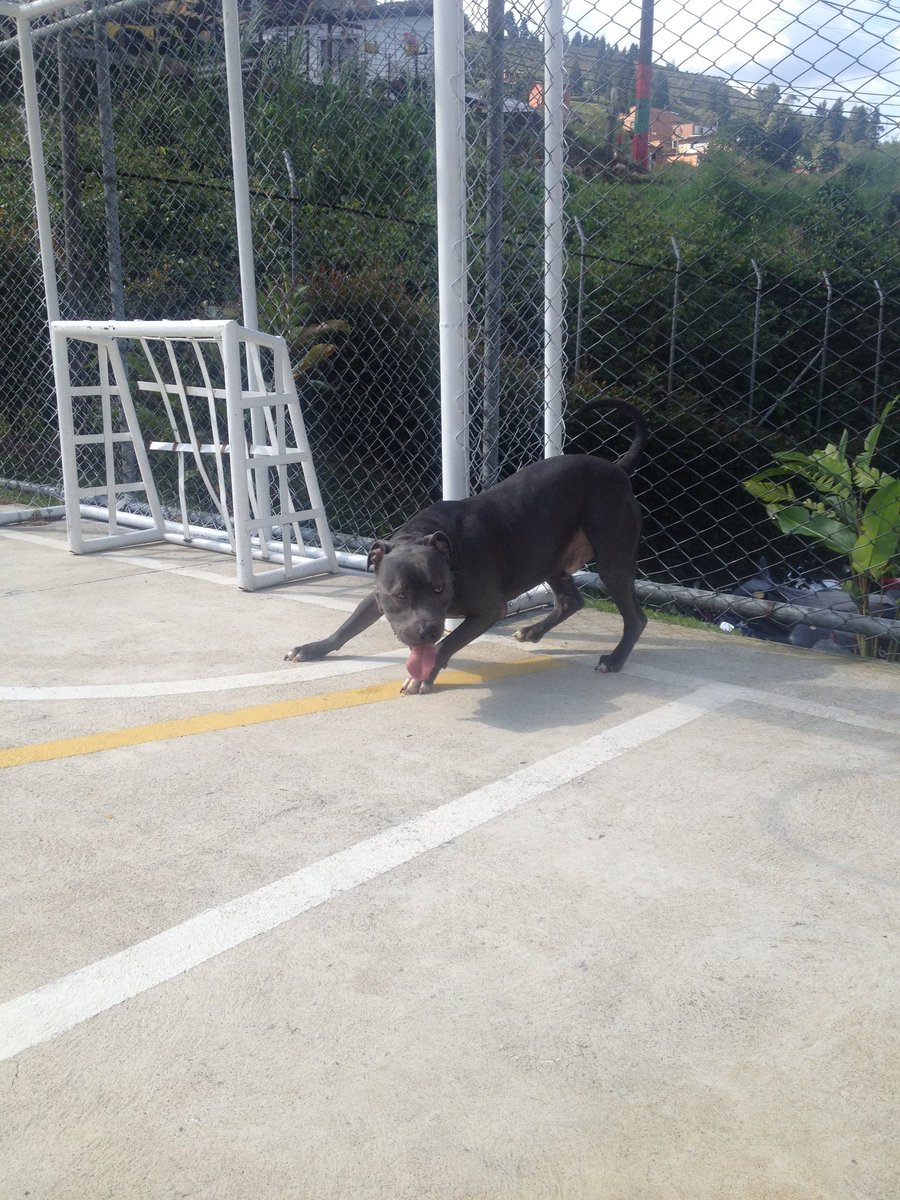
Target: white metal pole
x: 63, y: 383
x: 450, y: 134
x: 59, y: 346
x: 240, y: 491
x: 38, y: 169
x: 231, y: 31
x: 554, y: 228
x: 39, y: 8
x: 240, y: 174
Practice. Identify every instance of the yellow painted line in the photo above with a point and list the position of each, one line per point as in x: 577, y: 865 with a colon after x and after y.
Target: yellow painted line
x: 257, y: 714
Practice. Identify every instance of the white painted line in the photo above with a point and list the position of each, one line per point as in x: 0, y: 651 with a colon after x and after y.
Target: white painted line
x: 173, y: 568
x: 809, y: 708
x: 297, y: 596
x: 51, y: 1010
x: 289, y: 674
x: 334, y: 668
x: 17, y: 535
x: 746, y: 695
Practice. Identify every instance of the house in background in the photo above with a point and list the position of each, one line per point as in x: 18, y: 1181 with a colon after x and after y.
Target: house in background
x: 673, y: 138
x: 691, y: 141
x: 662, y: 126
x: 392, y: 43
x: 536, y: 99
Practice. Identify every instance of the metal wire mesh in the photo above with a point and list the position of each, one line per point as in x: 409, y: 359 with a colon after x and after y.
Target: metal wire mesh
x: 731, y: 233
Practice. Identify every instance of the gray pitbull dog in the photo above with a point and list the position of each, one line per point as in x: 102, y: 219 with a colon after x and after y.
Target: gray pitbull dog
x: 467, y: 558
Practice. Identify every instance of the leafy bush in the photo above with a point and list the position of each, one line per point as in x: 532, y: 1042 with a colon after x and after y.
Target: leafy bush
x: 844, y: 503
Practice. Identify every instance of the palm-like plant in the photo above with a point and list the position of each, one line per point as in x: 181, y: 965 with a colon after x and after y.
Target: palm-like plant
x: 841, y: 501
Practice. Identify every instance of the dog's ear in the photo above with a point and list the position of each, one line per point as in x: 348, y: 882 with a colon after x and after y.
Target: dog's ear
x: 440, y: 541
x: 377, y: 553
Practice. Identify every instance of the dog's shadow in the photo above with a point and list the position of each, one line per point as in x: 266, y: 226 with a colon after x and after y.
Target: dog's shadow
x: 568, y: 694
x: 663, y: 667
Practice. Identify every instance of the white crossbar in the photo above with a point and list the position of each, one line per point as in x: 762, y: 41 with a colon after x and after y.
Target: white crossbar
x: 228, y: 397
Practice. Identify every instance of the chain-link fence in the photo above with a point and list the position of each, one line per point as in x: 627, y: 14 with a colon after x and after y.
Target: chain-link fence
x: 730, y: 191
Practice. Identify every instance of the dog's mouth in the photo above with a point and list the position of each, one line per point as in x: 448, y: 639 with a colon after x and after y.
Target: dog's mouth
x: 421, y: 660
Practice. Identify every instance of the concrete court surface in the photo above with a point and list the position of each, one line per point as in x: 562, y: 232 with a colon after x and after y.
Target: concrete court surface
x: 273, y: 930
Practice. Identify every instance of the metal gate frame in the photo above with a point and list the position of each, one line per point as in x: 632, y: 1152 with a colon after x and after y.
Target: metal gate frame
x: 265, y: 435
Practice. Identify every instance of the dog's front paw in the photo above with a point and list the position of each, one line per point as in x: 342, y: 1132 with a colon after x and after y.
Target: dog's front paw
x: 532, y: 633
x: 416, y: 687
x: 308, y: 653
x: 608, y: 664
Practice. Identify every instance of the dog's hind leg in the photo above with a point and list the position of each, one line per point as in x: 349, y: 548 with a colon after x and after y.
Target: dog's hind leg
x: 568, y: 601
x: 618, y: 582
x: 614, y: 538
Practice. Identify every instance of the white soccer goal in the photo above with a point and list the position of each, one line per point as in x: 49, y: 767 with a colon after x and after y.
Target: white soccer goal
x: 211, y: 406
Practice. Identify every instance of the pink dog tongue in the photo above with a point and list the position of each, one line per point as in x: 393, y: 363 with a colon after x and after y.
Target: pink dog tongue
x: 421, y: 661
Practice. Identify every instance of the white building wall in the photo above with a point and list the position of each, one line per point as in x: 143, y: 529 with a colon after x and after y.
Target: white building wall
x: 388, y: 47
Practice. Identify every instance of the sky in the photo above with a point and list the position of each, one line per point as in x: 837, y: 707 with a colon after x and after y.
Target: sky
x: 819, y: 50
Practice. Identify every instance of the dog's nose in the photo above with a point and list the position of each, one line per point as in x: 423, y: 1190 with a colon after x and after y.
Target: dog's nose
x: 429, y: 631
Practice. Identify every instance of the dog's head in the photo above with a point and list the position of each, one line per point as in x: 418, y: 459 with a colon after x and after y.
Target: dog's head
x: 414, y: 586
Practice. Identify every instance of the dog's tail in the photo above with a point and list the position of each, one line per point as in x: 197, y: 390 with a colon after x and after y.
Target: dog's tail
x: 632, y: 456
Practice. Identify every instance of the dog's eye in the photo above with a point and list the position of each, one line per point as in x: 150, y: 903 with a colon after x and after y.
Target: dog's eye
x: 439, y: 589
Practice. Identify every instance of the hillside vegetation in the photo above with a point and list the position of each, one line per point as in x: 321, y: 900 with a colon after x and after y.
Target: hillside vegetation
x: 351, y: 241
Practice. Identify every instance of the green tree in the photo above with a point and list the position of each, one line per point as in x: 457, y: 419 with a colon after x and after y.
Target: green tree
x: 858, y: 124
x: 767, y: 96
x: 784, y: 131
x: 720, y: 101
x: 825, y: 155
x: 836, y: 121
